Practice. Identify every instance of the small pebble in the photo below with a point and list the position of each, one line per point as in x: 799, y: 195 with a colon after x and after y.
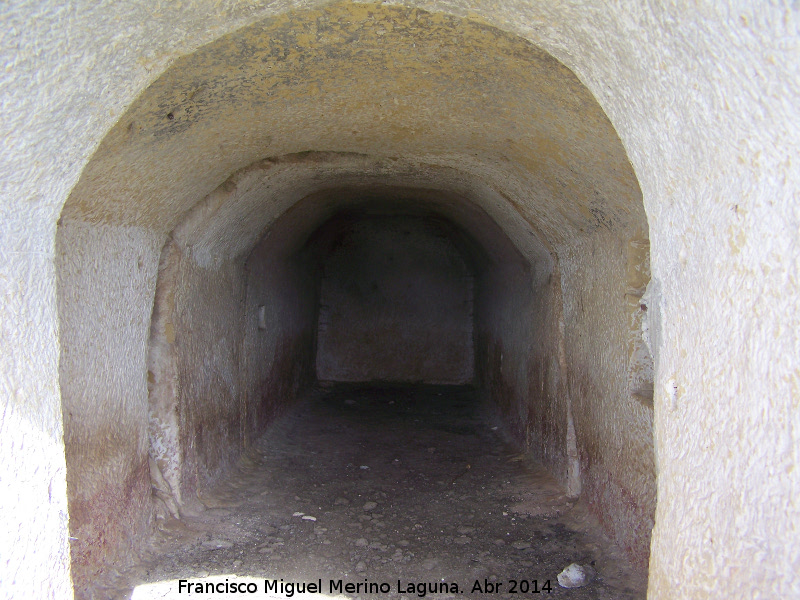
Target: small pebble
x: 370, y: 505
x: 576, y: 575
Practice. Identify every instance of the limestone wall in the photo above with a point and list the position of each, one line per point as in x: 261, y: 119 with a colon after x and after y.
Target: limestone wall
x: 613, y: 427
x: 103, y: 377
x: 280, y: 323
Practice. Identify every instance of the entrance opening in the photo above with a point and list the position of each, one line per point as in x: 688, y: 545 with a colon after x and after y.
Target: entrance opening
x: 243, y: 252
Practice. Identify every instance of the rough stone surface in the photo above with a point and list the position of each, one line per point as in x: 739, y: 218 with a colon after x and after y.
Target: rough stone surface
x: 209, y: 305
x: 704, y: 100
x: 618, y: 429
x: 278, y: 358
x: 548, y: 167
x: 396, y: 304
x: 575, y: 576
x: 104, y: 394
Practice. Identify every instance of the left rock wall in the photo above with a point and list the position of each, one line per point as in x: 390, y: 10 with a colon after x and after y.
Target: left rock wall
x: 279, y: 323
x: 147, y: 331
x: 209, y: 304
x: 106, y: 277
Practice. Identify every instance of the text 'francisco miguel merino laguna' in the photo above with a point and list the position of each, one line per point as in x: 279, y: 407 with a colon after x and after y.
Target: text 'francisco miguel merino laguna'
x: 335, y: 586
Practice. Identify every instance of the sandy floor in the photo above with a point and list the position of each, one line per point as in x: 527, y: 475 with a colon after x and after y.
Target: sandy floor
x: 401, y: 488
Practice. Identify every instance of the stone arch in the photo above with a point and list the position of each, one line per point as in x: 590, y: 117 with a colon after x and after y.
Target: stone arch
x: 360, y: 97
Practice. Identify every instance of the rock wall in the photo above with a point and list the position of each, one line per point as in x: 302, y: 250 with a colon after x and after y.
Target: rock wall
x: 103, y: 376
x: 703, y: 98
x: 396, y: 304
x: 613, y: 427
x: 209, y: 324
x: 280, y: 324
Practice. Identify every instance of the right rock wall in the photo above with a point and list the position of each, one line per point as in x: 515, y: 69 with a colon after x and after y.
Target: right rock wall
x: 607, y: 386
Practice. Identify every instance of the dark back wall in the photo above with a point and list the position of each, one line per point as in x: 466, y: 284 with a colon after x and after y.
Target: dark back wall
x: 396, y: 303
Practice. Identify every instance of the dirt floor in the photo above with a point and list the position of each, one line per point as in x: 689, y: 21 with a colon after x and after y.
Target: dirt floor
x: 401, y: 488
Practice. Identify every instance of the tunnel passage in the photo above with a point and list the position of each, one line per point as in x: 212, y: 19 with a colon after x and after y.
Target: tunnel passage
x: 188, y: 292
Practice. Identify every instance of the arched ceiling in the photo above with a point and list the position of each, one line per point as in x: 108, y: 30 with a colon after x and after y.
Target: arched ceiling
x: 406, y: 90
x: 317, y: 186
